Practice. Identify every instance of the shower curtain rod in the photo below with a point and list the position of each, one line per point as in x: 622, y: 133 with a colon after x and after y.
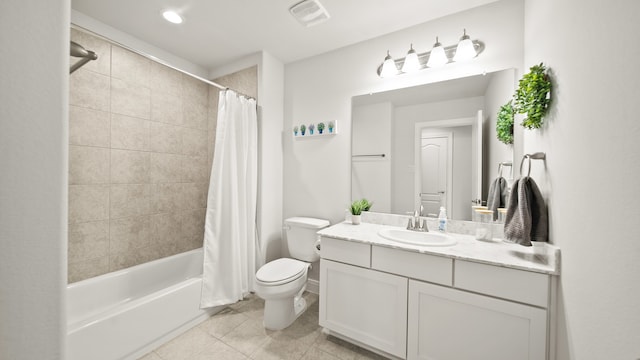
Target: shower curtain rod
x: 150, y: 57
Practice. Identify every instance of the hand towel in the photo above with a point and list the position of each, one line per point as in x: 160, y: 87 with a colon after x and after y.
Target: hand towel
x: 526, y: 219
x: 497, y: 196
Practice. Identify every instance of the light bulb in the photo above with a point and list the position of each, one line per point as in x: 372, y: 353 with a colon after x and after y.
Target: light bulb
x: 172, y: 17
x: 389, y: 67
x: 437, y: 56
x: 465, y: 50
x: 411, y: 62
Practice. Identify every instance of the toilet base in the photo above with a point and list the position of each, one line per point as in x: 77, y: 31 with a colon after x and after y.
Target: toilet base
x: 280, y: 313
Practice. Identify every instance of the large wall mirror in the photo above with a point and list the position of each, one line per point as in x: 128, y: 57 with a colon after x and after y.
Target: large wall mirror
x: 431, y: 145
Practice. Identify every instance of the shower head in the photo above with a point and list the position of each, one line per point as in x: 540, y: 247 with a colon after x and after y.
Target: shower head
x: 77, y: 50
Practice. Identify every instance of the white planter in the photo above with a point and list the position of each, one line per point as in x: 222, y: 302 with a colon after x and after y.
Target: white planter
x: 355, y: 219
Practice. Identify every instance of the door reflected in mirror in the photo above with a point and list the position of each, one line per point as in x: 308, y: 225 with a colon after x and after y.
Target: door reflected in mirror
x: 431, y: 145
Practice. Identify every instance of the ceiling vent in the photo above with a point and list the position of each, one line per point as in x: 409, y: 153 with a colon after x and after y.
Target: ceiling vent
x: 309, y: 12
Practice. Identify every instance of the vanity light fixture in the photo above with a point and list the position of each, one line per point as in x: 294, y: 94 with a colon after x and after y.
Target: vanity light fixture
x: 465, y: 50
x: 411, y: 61
x: 388, y: 67
x: 439, y: 55
x: 172, y: 17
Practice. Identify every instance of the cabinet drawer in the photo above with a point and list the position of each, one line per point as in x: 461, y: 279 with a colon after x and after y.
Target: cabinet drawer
x: 435, y: 269
x: 523, y: 286
x: 349, y: 252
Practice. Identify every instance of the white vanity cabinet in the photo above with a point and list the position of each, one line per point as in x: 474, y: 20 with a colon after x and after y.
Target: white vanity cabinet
x: 422, y: 306
x: 364, y: 305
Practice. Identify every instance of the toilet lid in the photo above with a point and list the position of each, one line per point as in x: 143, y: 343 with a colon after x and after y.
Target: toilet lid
x: 280, y: 270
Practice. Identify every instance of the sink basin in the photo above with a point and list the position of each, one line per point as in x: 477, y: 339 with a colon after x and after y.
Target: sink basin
x: 417, y: 238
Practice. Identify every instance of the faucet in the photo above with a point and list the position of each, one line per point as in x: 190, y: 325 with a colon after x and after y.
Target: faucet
x: 414, y: 222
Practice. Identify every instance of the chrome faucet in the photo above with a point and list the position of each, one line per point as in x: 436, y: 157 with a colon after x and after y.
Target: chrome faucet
x: 414, y: 223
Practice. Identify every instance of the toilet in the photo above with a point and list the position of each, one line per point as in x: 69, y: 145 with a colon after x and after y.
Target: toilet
x: 281, y: 282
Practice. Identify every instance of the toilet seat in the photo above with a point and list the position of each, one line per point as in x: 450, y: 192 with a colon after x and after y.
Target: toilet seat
x: 281, y: 271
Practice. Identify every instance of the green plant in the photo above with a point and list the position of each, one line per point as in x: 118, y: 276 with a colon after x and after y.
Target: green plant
x: 295, y: 130
x: 303, y: 129
x: 532, y: 96
x: 320, y: 127
x: 331, y: 126
x: 358, y: 206
x: 504, y: 123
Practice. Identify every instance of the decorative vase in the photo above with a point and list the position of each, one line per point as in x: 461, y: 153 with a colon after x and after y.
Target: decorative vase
x: 355, y: 219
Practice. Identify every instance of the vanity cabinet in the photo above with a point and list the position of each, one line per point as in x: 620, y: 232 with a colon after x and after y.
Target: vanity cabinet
x: 420, y: 306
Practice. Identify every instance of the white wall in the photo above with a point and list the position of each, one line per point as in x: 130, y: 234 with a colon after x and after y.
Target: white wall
x: 372, y: 134
x: 591, y: 138
x: 321, y: 88
x: 33, y: 181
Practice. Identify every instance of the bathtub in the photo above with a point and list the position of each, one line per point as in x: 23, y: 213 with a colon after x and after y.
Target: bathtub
x: 127, y: 313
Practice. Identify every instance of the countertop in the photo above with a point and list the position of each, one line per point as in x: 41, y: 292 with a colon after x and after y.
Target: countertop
x: 496, y: 253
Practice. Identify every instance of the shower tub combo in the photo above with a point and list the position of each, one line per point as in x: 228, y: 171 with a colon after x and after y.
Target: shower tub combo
x: 127, y: 313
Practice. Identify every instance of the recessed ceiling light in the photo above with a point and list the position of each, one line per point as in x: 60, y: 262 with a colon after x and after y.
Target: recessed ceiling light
x: 172, y: 16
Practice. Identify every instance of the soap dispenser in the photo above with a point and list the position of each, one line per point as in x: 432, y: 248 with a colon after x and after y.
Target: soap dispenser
x: 442, y: 219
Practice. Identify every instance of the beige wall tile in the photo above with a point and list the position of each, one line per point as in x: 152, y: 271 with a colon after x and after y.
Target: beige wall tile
x: 166, y: 228
x: 211, y: 146
x: 194, y: 142
x: 88, y: 240
x: 165, y: 138
x: 129, y: 133
x: 130, y: 67
x: 86, y: 269
x: 195, y: 89
x: 244, y: 81
x: 129, y: 233
x: 88, y: 203
x: 125, y: 259
x: 89, y: 90
x: 167, y: 198
x: 165, y: 79
x: 129, y: 167
x: 167, y: 168
x: 195, y: 114
x: 88, y: 165
x: 130, y: 200
x: 88, y: 127
x: 194, y: 169
x: 102, y: 48
x: 193, y: 225
x: 130, y: 99
x: 194, y: 195
x: 166, y: 107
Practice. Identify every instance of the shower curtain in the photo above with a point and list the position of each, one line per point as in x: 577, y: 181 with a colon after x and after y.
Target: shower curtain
x: 231, y: 244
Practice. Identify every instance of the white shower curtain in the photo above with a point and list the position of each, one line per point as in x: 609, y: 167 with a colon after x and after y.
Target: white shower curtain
x: 231, y: 247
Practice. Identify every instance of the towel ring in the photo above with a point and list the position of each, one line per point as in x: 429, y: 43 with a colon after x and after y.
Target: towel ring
x: 502, y: 165
x: 535, y: 156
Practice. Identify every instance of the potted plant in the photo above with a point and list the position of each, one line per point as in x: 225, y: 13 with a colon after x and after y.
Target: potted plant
x: 504, y: 123
x: 311, y: 127
x: 356, y: 209
x: 332, y: 125
x: 295, y: 130
x: 532, y: 96
x: 320, y: 128
x: 303, y: 129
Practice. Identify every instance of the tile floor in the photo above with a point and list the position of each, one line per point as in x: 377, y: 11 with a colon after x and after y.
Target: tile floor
x: 236, y: 333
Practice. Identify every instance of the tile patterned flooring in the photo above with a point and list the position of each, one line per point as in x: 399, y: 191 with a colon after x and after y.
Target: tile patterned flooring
x: 237, y: 333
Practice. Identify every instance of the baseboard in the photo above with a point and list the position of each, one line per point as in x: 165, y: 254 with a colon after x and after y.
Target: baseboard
x: 313, y: 286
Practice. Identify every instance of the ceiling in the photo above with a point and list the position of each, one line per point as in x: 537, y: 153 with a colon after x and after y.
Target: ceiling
x: 218, y: 32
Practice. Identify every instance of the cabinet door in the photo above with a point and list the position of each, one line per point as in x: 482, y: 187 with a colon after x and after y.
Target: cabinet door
x: 365, y: 305
x: 446, y: 323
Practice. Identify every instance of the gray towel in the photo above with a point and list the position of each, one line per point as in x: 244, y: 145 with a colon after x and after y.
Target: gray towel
x: 497, y: 196
x: 526, y: 219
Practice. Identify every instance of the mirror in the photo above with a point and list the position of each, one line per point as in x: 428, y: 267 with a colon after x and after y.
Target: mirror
x: 432, y: 145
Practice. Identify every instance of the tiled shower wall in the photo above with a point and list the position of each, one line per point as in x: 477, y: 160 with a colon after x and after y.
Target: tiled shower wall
x: 141, y: 139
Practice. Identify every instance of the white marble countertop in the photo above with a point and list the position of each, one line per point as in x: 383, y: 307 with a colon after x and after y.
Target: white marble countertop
x: 467, y: 248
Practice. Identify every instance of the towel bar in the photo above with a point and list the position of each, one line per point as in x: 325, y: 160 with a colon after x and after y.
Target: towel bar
x: 534, y: 156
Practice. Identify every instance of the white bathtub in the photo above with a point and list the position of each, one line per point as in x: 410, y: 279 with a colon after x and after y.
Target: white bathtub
x: 127, y: 313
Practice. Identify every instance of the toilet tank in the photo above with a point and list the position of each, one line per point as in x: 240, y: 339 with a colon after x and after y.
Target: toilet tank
x: 301, y: 237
